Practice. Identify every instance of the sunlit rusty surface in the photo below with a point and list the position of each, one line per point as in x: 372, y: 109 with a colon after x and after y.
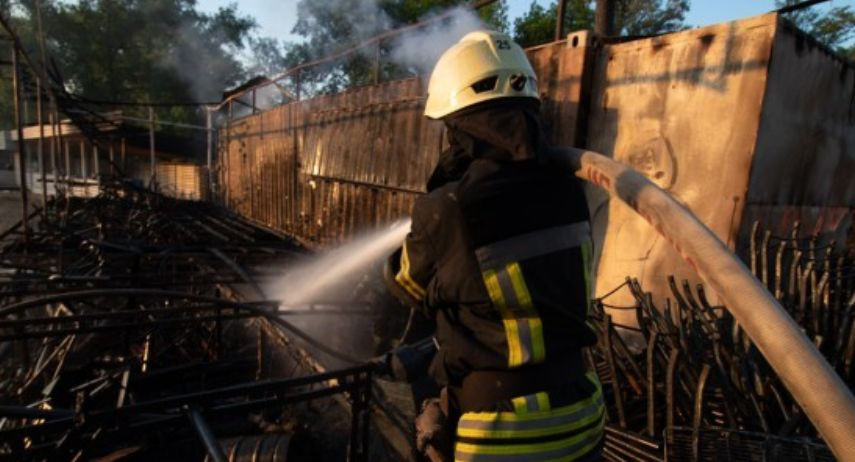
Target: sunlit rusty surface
x: 325, y: 168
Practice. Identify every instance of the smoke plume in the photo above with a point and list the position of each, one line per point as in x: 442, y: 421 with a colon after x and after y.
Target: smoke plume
x: 419, y: 50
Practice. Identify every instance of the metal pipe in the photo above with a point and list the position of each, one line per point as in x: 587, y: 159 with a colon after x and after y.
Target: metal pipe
x: 153, y: 179
x: 559, y: 23
x: 604, y: 18
x: 53, y: 149
x: 825, y: 398
x: 209, y: 146
x: 40, y: 117
x: 163, y: 122
x: 207, y: 436
x: 22, y: 158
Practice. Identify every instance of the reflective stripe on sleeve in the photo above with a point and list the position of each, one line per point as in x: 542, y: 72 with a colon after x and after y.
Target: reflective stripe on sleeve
x: 533, y: 244
x: 404, y: 279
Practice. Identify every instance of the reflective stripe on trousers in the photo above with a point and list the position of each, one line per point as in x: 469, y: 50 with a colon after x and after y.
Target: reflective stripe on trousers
x: 534, y: 431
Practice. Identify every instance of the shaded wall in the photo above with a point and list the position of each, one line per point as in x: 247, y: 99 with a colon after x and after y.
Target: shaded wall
x: 806, y: 136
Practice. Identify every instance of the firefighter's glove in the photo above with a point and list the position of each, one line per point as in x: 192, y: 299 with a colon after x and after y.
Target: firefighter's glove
x: 432, y: 438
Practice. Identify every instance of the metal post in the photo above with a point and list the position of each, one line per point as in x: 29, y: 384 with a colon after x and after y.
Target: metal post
x: 377, y: 64
x: 39, y: 116
x: 96, y: 169
x: 67, y: 173
x: 210, y: 131
x: 84, y: 166
x: 153, y: 181
x: 604, y: 18
x: 62, y: 151
x: 22, y: 157
x: 559, y: 23
x: 112, y: 155
x: 53, y: 148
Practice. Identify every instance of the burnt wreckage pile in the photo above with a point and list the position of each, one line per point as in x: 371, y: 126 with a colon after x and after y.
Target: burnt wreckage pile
x: 694, y: 387
x: 130, y: 328
x: 133, y: 327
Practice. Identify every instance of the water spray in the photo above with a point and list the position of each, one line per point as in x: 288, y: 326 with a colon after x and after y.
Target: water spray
x: 315, y: 278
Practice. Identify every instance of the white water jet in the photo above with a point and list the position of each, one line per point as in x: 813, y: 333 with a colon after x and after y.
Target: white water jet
x: 322, y: 275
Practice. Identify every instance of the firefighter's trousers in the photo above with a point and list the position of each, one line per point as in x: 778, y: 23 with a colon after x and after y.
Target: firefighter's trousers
x: 539, y: 428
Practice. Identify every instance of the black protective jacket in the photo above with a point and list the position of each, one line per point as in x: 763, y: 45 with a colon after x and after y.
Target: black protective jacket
x: 499, y: 251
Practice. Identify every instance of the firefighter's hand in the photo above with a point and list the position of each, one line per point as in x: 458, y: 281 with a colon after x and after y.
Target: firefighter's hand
x: 431, y: 433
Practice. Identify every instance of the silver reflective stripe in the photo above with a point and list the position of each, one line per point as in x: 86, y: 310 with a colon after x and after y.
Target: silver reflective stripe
x: 534, y: 244
x: 534, y: 424
x: 591, y: 437
x: 531, y: 404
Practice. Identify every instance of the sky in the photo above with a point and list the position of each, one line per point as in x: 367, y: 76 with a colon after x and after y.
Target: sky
x: 276, y: 17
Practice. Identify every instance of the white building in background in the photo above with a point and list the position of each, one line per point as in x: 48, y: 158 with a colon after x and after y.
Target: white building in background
x: 122, y: 151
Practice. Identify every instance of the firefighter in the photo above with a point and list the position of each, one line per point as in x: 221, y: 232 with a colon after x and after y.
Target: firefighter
x: 499, y: 254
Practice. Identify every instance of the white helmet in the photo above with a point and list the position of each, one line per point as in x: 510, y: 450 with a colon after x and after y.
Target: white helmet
x: 483, y: 65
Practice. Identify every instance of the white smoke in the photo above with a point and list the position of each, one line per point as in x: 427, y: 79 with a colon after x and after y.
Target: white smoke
x: 415, y: 51
x: 331, y: 278
x: 202, y: 67
x: 418, y: 50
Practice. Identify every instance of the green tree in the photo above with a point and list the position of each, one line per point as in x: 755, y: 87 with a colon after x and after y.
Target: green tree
x: 835, y: 27
x: 140, y: 50
x: 632, y: 17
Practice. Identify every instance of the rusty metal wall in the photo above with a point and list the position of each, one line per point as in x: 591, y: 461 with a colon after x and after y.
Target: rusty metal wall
x: 807, y: 137
x: 325, y: 168
x: 683, y: 109
x: 705, y: 113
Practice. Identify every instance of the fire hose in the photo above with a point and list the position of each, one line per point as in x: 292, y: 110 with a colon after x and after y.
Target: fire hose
x: 824, y: 397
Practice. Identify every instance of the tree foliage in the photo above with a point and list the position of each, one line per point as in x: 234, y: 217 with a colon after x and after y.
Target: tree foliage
x: 140, y: 50
x: 834, y: 27
x: 632, y: 17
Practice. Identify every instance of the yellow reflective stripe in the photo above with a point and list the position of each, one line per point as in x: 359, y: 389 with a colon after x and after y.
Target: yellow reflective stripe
x: 531, y: 403
x: 404, y: 280
x: 542, y: 401
x: 520, y: 405
x: 510, y: 416
x: 534, y: 432
x: 523, y: 295
x: 534, y: 448
x: 512, y: 337
x: 537, y: 347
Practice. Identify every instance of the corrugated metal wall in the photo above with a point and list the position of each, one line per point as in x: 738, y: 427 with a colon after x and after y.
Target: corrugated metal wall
x: 182, y: 180
x: 324, y: 168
